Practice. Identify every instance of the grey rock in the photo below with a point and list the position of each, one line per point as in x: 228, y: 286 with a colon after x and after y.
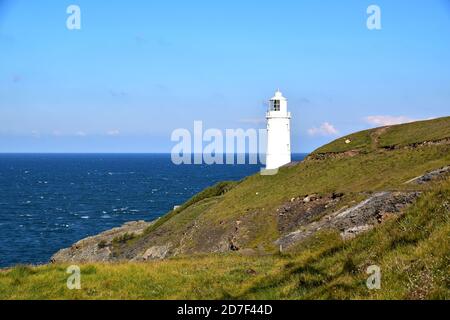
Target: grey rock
x: 98, y: 248
x: 352, y: 221
x: 429, y: 176
x: 155, y: 253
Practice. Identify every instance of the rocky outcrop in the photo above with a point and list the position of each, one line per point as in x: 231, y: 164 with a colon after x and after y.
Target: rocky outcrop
x: 352, y: 221
x: 99, y: 248
x: 429, y: 176
x: 301, y: 213
x: 303, y: 210
x: 154, y: 253
x: 298, y: 219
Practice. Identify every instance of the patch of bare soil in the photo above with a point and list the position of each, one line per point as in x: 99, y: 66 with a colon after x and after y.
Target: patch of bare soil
x: 303, y: 210
x: 333, y: 155
x: 375, y: 136
x: 419, y: 144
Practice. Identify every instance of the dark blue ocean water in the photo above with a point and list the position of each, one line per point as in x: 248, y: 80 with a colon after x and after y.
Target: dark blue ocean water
x: 50, y: 201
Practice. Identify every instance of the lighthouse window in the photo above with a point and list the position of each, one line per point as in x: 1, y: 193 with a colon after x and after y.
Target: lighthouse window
x: 276, y: 105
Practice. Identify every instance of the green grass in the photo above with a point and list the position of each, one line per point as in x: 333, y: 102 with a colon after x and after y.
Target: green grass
x: 217, y: 190
x: 415, y: 132
x: 413, y: 252
x: 124, y: 238
x: 195, y: 278
x: 398, y: 135
x: 359, y: 141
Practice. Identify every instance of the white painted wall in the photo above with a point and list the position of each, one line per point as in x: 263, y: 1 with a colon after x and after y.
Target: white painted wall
x: 278, y: 133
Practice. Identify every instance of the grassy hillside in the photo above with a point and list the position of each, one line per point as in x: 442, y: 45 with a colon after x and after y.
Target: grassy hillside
x: 399, y: 136
x: 208, y: 226
x: 413, y: 249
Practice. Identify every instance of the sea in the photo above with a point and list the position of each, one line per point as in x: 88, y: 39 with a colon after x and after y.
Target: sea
x: 50, y: 201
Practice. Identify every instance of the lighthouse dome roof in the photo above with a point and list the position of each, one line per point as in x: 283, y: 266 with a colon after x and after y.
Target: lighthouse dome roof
x: 278, y: 96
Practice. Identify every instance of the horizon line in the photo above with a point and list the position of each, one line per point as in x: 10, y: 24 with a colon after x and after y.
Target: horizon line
x: 161, y: 153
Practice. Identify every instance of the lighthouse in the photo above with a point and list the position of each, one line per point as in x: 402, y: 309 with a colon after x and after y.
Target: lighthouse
x: 278, y: 133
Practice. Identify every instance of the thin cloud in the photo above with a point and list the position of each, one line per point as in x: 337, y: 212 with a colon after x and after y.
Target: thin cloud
x: 140, y: 39
x: 119, y: 93
x: 388, y: 120
x: 304, y: 101
x: 16, y: 78
x: 253, y: 120
x: 162, y: 42
x: 113, y: 133
x: 325, y: 129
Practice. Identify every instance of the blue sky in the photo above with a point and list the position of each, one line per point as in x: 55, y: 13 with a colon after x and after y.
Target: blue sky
x: 136, y: 71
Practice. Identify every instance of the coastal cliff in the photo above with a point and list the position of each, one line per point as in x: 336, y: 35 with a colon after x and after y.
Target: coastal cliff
x: 377, y: 198
x: 349, y: 186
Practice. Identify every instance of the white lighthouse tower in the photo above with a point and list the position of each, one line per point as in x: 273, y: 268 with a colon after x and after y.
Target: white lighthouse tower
x: 278, y: 133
